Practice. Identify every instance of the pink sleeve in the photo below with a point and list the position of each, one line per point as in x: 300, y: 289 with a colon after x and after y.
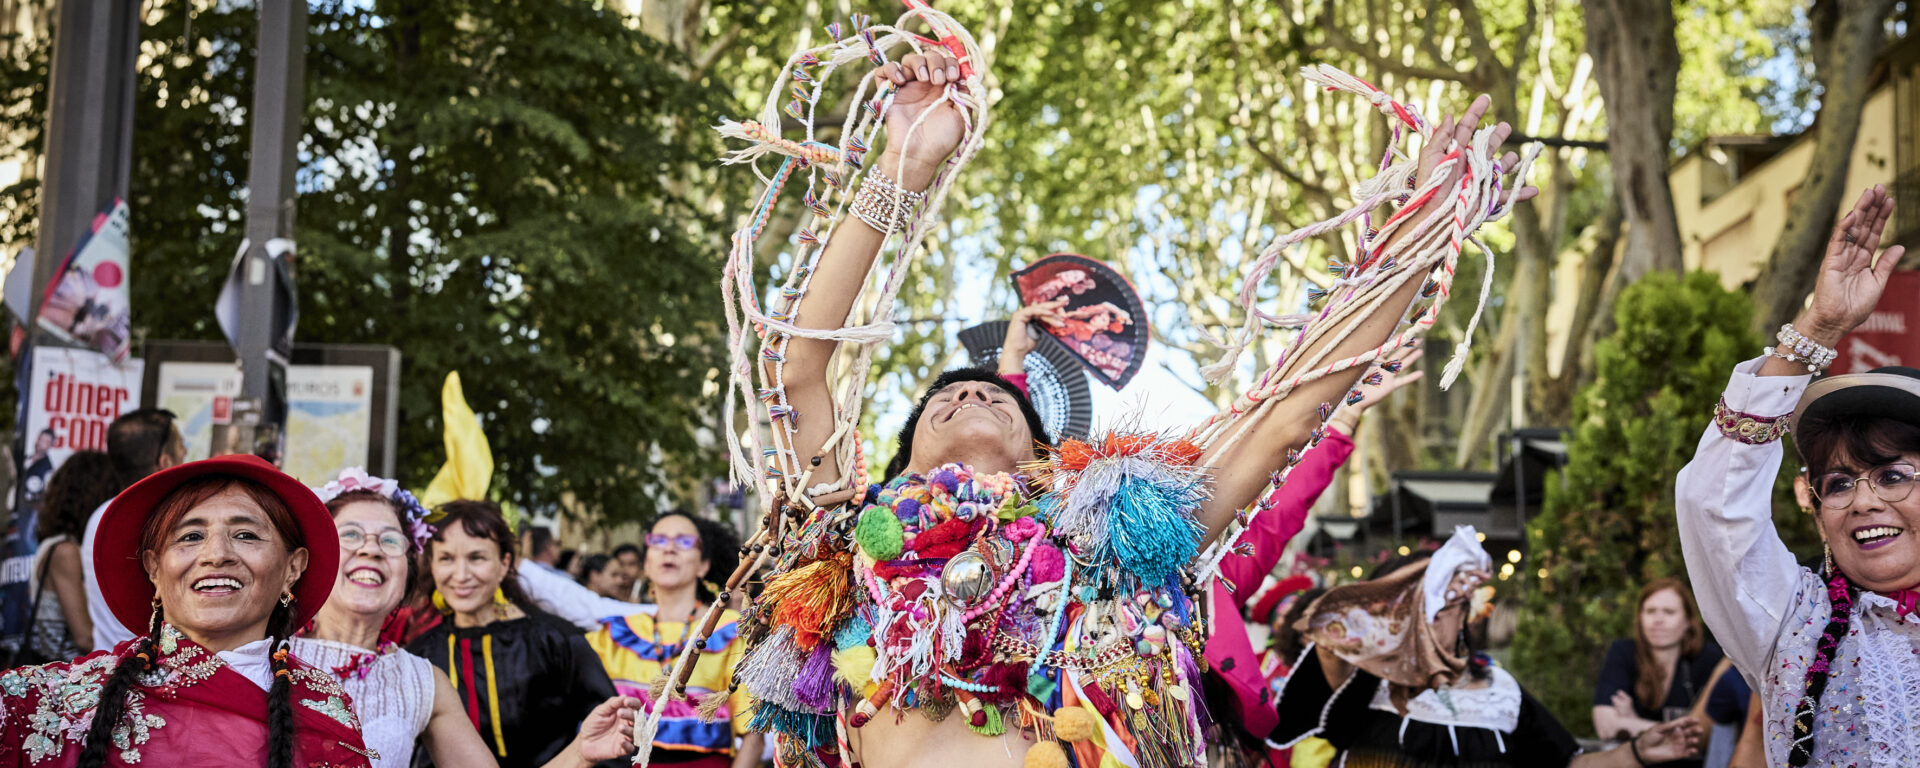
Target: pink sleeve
x: 1018, y: 380
x: 1285, y: 516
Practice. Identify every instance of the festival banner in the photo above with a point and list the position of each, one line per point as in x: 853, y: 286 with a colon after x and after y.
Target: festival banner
x: 87, y: 302
x: 1887, y: 337
x: 1105, y: 325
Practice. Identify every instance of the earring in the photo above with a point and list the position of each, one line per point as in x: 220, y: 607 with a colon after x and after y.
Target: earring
x: 286, y: 600
x: 499, y: 596
x: 1827, y: 560
x: 153, y: 617
x: 440, y: 604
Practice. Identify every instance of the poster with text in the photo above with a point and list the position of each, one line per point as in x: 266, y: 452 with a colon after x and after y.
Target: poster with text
x: 1104, y: 323
x: 329, y: 414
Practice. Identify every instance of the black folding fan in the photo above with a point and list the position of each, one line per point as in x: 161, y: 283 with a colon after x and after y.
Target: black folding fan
x: 1056, y: 380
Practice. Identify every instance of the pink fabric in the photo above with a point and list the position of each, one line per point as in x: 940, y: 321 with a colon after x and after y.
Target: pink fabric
x: 1230, y: 650
x: 1018, y: 380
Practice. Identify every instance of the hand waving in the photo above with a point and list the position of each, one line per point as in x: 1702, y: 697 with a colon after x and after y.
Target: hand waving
x: 1850, y: 281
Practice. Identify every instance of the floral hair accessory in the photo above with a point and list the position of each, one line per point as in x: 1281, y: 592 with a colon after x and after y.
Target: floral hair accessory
x: 354, y: 479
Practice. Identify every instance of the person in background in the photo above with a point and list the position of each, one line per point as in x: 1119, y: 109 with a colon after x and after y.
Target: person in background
x: 543, y: 549
x: 140, y: 443
x: 1659, y: 673
x: 603, y: 575
x: 630, y: 569
x: 566, y: 562
x: 61, y: 629
x: 400, y: 698
x: 526, y: 679
x: 684, y: 556
x: 1230, y: 650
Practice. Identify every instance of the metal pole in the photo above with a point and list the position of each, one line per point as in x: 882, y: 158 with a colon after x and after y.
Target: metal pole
x: 267, y: 301
x: 89, y: 130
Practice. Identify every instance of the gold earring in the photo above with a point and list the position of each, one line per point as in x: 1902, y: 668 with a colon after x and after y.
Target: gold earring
x: 440, y: 604
x: 1828, y: 558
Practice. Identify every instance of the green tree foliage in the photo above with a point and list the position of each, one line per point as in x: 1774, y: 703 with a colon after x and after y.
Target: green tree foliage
x: 496, y: 188
x: 1608, y: 525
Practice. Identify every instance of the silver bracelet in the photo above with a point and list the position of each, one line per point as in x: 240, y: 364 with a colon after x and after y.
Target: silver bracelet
x: 882, y: 204
x: 1802, y: 350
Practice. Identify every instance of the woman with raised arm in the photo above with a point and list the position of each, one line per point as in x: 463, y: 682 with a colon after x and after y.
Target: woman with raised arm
x: 1835, y: 653
x: 995, y: 601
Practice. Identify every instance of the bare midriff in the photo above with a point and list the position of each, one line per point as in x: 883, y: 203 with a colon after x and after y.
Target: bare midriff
x: 916, y: 742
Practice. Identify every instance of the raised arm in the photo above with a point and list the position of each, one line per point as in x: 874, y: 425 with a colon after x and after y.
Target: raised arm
x: 1242, y: 471
x: 1743, y: 574
x: 911, y: 162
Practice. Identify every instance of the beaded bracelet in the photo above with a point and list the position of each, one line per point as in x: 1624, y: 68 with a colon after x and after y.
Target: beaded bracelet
x: 1748, y: 428
x: 879, y: 203
x: 1804, y: 350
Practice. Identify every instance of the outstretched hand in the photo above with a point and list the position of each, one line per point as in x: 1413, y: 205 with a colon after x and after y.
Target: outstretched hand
x: 1850, y: 281
x: 921, y: 79
x: 1450, y: 130
x: 607, y: 732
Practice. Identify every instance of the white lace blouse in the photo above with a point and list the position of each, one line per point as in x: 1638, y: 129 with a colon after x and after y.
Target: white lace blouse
x: 394, y: 699
x: 1768, y: 613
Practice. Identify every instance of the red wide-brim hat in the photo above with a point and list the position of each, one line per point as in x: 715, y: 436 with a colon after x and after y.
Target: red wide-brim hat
x: 116, y: 547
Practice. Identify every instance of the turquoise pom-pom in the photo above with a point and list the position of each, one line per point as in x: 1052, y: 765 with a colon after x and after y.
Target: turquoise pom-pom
x: 879, y: 534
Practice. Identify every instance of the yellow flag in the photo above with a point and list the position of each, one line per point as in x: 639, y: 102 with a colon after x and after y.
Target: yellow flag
x: 469, y: 466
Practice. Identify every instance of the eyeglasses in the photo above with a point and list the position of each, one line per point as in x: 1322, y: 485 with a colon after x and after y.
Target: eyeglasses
x: 1890, y: 482
x: 391, y: 543
x: 684, y: 542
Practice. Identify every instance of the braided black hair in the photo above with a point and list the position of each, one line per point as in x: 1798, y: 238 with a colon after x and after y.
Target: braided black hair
x: 113, y: 695
x: 280, y: 694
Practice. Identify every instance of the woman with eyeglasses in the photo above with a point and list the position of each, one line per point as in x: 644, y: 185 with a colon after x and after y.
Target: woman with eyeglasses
x: 399, y: 697
x: 1835, y: 653
x: 523, y: 678
x: 682, y: 551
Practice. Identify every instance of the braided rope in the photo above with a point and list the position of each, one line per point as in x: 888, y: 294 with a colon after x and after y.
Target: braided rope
x: 1431, y: 249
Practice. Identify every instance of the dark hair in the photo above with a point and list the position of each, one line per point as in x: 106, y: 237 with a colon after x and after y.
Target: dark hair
x: 84, y: 482
x: 565, y: 560
x: 903, y: 448
x: 591, y: 565
x: 1865, y: 440
x: 113, y: 694
x: 624, y: 549
x: 1647, y: 672
x: 539, y: 537
x: 138, y: 440
x: 341, y: 501
x: 719, y: 546
x: 483, y: 520
x: 1287, y: 641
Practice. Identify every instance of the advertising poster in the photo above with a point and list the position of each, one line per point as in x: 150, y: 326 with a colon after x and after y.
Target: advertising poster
x: 329, y: 414
x: 87, y: 300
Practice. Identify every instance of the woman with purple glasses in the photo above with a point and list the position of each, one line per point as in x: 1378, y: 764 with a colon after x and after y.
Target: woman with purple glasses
x: 683, y: 554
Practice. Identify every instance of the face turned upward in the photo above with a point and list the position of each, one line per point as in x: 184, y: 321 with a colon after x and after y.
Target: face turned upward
x: 675, y: 559
x: 1870, y: 524
x: 1663, y: 619
x: 467, y: 569
x: 373, y: 561
x: 220, y: 569
x: 975, y: 423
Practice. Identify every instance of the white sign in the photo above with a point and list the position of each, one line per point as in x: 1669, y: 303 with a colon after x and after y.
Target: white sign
x: 329, y: 414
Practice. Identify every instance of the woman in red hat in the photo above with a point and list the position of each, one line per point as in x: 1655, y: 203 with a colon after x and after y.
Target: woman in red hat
x: 221, y: 560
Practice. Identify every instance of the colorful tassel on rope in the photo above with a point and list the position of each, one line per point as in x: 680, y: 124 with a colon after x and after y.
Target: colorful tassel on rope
x: 808, y: 598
